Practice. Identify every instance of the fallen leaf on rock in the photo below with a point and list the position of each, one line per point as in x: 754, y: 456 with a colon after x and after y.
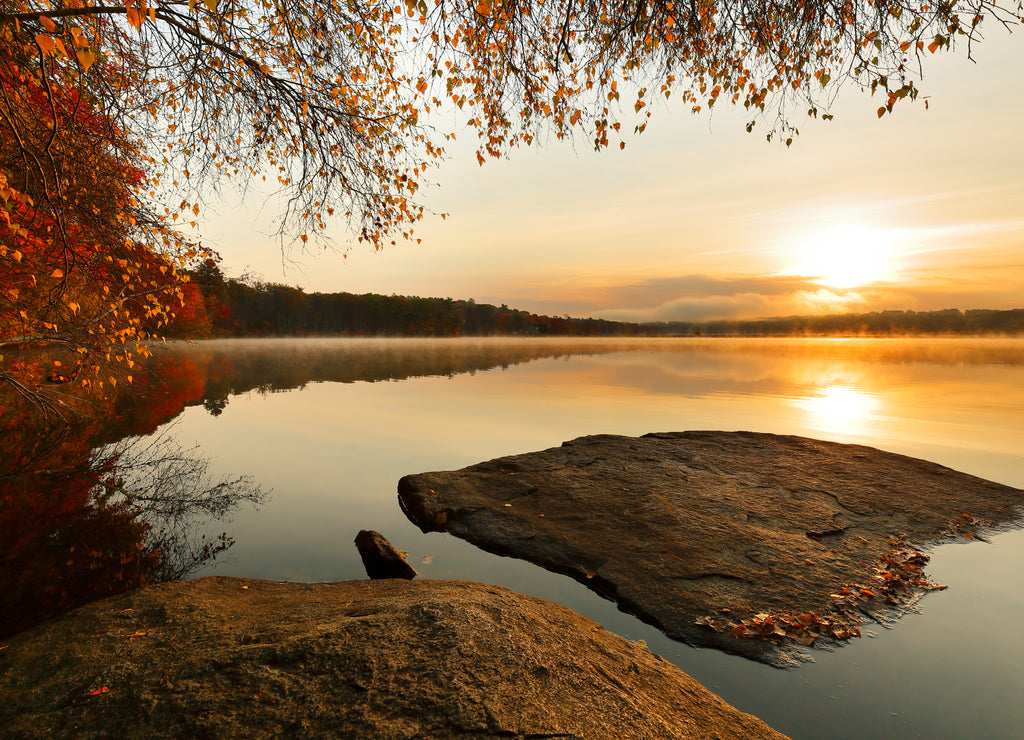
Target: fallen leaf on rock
x: 101, y: 690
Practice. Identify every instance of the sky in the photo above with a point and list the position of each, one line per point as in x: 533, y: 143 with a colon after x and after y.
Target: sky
x: 698, y: 220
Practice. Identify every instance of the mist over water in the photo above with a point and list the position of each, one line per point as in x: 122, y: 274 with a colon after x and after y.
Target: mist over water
x: 331, y: 425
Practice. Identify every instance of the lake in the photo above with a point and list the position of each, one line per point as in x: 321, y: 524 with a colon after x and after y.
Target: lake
x: 330, y: 425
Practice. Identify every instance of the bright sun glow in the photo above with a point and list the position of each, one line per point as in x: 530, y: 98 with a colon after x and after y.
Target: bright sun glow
x: 840, y: 408
x: 847, y: 256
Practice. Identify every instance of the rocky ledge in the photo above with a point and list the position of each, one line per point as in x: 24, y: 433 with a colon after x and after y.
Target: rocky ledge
x: 720, y: 537
x: 235, y: 658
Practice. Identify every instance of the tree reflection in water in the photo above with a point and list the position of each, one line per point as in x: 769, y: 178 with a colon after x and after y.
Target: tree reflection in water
x: 79, y: 523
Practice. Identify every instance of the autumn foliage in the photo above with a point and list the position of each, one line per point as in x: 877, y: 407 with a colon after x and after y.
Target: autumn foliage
x: 85, y: 268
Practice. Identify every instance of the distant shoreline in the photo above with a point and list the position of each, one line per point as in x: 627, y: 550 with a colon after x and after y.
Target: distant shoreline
x: 228, y: 307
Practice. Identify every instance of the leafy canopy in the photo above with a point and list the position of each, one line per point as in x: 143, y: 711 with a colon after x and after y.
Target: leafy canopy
x: 336, y: 100
x: 86, y: 266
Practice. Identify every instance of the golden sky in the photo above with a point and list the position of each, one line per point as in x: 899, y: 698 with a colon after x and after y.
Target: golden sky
x: 697, y: 219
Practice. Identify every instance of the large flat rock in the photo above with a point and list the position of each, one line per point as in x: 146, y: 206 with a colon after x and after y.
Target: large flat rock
x: 386, y: 659
x: 715, y: 537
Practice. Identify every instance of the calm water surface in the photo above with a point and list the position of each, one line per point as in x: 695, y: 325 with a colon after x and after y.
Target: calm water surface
x: 331, y: 425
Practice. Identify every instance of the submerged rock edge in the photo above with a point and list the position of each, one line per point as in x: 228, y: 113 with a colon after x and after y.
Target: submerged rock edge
x: 680, y: 528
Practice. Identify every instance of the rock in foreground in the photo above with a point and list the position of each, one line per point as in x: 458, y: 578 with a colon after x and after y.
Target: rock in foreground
x: 235, y: 658
x: 722, y: 528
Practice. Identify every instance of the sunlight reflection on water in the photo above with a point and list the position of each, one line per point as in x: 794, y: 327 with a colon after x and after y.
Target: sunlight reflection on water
x: 839, y: 408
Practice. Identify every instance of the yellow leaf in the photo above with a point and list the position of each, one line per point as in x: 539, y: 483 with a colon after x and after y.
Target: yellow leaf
x: 86, y: 58
x: 211, y: 4
x: 57, y: 274
x: 16, y: 255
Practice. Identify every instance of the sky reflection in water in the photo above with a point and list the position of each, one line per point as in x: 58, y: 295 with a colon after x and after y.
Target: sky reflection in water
x: 333, y: 453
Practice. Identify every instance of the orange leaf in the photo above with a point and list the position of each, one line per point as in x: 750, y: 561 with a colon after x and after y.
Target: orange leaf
x: 48, y: 23
x: 101, y: 690
x: 135, y: 18
x: 46, y: 44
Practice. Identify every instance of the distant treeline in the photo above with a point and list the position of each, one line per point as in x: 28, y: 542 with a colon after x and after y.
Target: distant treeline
x: 216, y: 306
x: 879, y: 323
x: 219, y: 306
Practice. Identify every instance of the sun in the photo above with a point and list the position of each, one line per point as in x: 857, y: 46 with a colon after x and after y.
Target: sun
x: 844, y: 256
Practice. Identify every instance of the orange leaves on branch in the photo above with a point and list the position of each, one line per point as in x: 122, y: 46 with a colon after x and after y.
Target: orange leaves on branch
x: 50, y: 46
x: 326, y: 96
x: 66, y: 250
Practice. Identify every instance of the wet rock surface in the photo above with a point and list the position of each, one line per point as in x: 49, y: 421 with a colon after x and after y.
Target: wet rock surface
x: 717, y: 537
x: 237, y: 658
